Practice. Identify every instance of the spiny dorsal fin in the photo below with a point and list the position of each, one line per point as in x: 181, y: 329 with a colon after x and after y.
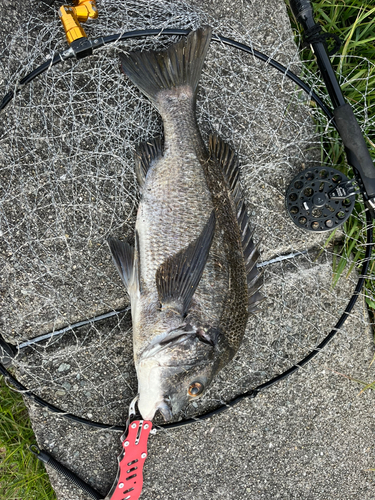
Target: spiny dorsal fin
x: 254, y: 300
x: 228, y: 161
x: 254, y: 277
x: 178, y: 277
x: 145, y: 154
x: 126, y: 261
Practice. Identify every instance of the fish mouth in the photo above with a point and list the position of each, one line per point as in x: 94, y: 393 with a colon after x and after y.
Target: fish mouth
x: 152, y: 395
x: 163, y: 407
x: 166, y: 411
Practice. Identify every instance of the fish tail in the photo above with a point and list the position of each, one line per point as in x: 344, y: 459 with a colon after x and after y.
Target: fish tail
x: 180, y: 65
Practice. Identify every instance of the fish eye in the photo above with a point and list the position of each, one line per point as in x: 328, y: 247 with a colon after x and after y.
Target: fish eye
x: 195, y: 389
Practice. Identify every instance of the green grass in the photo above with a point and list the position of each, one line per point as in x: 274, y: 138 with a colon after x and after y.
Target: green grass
x: 22, y: 476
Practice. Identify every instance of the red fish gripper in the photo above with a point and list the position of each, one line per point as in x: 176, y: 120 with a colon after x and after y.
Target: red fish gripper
x: 129, y: 480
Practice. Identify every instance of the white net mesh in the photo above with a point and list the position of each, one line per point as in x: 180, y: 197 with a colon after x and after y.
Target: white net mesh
x: 68, y: 182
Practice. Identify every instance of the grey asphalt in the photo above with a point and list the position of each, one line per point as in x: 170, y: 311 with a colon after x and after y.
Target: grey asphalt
x: 308, y: 437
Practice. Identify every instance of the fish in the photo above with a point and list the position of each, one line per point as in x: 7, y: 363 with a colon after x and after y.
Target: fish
x: 191, y: 273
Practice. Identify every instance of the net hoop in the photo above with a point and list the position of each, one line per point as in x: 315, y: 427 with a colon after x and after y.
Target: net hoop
x: 252, y: 393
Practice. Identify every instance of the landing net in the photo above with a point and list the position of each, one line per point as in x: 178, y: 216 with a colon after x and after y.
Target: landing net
x: 67, y: 183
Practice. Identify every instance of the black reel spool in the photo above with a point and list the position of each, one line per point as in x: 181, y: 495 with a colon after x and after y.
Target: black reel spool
x: 320, y: 199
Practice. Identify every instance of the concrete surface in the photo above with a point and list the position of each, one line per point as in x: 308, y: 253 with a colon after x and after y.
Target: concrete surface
x: 309, y: 437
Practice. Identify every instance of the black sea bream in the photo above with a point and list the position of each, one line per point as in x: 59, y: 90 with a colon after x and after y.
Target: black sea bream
x: 191, y: 275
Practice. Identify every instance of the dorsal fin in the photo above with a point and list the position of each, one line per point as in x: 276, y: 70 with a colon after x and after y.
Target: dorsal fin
x: 228, y: 160
x: 145, y: 154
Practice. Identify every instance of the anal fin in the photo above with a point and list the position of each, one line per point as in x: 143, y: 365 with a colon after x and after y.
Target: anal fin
x: 178, y: 277
x: 145, y: 154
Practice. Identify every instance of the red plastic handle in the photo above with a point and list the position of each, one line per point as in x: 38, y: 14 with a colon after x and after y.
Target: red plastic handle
x: 129, y: 481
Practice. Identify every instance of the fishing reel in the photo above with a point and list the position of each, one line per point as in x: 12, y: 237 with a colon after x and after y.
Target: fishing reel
x: 320, y: 199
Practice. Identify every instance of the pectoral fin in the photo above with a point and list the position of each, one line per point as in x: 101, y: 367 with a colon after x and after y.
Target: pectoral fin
x: 178, y: 277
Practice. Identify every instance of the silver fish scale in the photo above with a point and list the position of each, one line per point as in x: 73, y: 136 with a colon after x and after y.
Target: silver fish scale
x: 180, y: 191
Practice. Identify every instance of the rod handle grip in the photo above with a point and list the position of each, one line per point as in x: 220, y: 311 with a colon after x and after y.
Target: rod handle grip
x: 357, y: 153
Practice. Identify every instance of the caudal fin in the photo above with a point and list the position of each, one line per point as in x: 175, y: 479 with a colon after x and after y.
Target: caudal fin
x: 179, y: 65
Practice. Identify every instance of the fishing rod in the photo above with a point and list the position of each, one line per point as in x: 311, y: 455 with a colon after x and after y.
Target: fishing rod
x: 357, y: 153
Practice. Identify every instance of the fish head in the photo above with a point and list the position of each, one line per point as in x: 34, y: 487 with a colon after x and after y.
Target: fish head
x: 175, y: 370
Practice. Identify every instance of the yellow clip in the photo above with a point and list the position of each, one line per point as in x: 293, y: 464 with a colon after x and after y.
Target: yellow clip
x: 71, y: 17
